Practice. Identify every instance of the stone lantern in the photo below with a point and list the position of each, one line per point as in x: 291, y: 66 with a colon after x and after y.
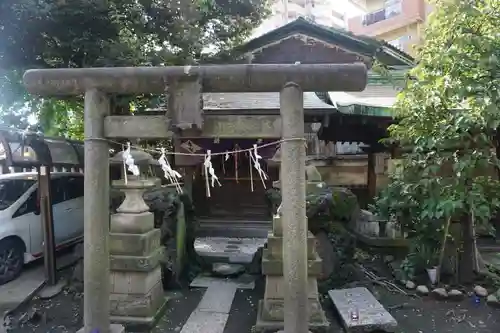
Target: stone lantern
x: 271, y: 308
x: 315, y: 127
x: 143, y: 160
x: 136, y: 298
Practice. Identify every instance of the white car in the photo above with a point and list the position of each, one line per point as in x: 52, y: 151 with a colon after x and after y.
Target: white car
x: 21, y: 230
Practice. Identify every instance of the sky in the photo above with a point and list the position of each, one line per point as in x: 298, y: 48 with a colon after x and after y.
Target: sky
x: 344, y: 7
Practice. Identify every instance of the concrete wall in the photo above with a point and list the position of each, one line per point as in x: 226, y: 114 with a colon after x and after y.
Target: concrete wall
x: 410, y: 35
x: 412, y: 11
x: 373, y: 5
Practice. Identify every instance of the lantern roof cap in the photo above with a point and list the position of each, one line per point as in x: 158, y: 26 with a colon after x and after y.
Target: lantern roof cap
x: 140, y: 158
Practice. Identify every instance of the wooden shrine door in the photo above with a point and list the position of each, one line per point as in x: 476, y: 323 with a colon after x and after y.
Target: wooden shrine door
x: 234, y: 199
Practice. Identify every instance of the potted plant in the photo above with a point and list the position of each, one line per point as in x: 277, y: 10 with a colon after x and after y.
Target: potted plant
x: 430, y: 258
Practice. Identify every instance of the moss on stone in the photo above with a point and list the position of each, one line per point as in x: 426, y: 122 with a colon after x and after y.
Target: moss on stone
x: 323, y: 206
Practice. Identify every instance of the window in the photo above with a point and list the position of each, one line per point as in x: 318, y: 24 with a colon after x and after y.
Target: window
x: 12, y: 189
x: 392, y: 8
x: 30, y: 206
x: 57, y: 190
x: 74, y: 188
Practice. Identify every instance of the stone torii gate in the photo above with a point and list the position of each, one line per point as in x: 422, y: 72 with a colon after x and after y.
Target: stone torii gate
x: 96, y: 84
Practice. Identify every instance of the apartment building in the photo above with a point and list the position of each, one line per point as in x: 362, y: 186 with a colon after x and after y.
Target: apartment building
x: 399, y: 22
x: 324, y: 12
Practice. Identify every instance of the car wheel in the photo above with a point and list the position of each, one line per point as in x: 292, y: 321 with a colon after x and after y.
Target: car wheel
x: 11, y: 259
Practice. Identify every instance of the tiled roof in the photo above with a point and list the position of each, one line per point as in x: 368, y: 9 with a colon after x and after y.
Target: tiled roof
x: 381, y: 50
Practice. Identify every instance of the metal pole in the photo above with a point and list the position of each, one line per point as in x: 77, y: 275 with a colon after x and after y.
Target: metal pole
x: 293, y: 171
x: 45, y: 205
x: 96, y: 215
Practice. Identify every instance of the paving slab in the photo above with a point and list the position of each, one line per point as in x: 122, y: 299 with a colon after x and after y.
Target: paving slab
x: 205, y: 322
x: 212, y: 312
x: 16, y: 292
x: 25, y: 287
x: 360, y: 311
x: 218, y: 298
x: 245, y: 281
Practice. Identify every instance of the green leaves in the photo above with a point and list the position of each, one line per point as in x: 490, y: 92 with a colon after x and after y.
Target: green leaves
x: 448, y: 119
x: 96, y: 33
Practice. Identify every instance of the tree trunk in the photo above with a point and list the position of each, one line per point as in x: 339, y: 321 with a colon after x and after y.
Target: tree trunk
x: 467, y: 261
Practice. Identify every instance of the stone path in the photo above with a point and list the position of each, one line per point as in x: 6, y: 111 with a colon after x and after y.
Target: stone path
x: 212, y: 313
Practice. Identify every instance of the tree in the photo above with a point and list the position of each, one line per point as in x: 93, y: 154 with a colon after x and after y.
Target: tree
x: 449, y: 116
x: 92, y: 33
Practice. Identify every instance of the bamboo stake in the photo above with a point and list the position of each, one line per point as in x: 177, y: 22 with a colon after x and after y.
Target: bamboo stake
x: 443, y: 248
x: 476, y: 252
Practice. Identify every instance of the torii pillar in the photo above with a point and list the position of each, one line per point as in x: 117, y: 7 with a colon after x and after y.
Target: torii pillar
x: 97, y: 83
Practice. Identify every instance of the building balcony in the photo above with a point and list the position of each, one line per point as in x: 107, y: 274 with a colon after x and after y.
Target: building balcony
x: 398, y: 14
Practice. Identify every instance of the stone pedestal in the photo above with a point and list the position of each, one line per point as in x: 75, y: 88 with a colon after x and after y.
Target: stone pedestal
x: 270, y: 314
x: 137, y: 299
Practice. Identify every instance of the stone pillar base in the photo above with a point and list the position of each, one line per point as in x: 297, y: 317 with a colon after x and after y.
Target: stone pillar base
x: 320, y: 324
x: 273, y: 302
x: 141, y: 324
x: 270, y: 314
x: 113, y: 328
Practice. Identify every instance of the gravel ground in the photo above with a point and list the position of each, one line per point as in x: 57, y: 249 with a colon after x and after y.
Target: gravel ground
x: 426, y: 315
x: 421, y: 315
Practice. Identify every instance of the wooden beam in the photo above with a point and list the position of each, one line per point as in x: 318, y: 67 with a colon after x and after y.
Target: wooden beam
x: 244, y: 126
x: 130, y: 127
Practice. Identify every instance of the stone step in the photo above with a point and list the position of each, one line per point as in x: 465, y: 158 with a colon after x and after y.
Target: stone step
x: 227, y: 270
x: 274, y: 266
x: 371, y: 315
x: 234, y: 221
x: 233, y: 228
x: 235, y: 216
x: 275, y: 246
x: 228, y: 249
x: 239, y: 214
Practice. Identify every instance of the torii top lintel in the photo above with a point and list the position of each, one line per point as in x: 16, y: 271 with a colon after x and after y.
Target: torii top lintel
x: 214, y: 78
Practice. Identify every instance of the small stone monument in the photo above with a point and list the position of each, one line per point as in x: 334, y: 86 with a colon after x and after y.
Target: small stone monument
x: 137, y: 299
x: 361, y: 312
x: 270, y: 314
